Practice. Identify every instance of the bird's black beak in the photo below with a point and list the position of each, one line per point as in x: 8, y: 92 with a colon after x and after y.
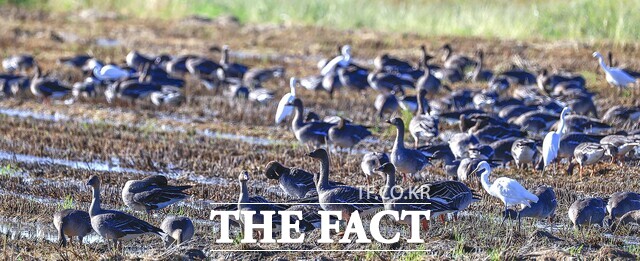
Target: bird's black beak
x: 379, y: 169
x: 388, y: 121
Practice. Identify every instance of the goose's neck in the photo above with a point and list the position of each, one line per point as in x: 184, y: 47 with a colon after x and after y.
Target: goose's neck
x: 297, y: 118
x: 486, y: 183
x: 244, y: 192
x: 391, y: 182
x: 323, y: 180
x: 95, y: 202
x: 478, y: 69
x: 399, y: 143
x: 420, y: 110
x: 225, y: 57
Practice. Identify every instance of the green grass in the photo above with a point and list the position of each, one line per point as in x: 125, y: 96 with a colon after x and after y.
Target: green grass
x: 67, y: 203
x: 571, y: 19
x: 9, y: 170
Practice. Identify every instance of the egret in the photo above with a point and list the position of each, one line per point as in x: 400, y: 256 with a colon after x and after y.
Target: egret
x: 509, y: 191
x: 615, y: 76
x: 108, y: 72
x: 339, y: 61
x: 551, y: 142
x: 283, y: 109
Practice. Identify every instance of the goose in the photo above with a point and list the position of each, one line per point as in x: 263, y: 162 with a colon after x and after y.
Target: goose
x: 620, y: 203
x: 450, y: 189
x: 342, y: 60
x: 620, y: 114
x: 371, y: 161
x: 518, y: 76
x: 177, y: 230
x: 47, y: 88
x: 412, y: 201
x: 152, y: 193
x: 71, y: 223
x: 244, y: 204
x: 429, y: 82
x: 406, y: 161
x: 549, y: 82
x: 21, y: 63
x: 615, y: 76
x: 509, y: 191
x: 178, y: 65
x: 308, y: 132
x: 588, y: 153
x: 502, y: 150
x: 478, y: 73
x: 386, y: 104
x: 509, y: 113
x: 581, y: 104
x: 465, y: 169
x: 587, y: 211
x: 631, y: 217
x: 409, y: 103
x: 536, y: 121
x: 523, y: 151
x: 481, y: 151
x: 570, y: 141
x: 493, y: 133
x: 617, y: 146
x: 423, y: 125
x: 347, y: 135
x: 204, y: 70
x: 353, y: 78
x: 551, y: 142
x: 453, y: 61
x: 342, y: 198
x: 85, y: 89
x: 450, y: 75
x: 137, y: 60
x: 386, y: 62
x: 77, y: 61
x: 460, y: 143
x: 254, y: 77
x: 544, y: 208
x: 167, y: 96
x: 231, y: 70
x: 479, y: 120
x: 310, y: 216
x: 293, y: 181
x: 130, y: 90
x: 384, y: 82
x: 115, y: 225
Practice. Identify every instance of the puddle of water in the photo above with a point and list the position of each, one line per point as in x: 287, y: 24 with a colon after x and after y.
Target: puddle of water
x: 35, y: 115
x: 17, y: 229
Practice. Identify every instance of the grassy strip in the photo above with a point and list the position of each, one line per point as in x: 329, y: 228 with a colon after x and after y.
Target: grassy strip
x: 572, y: 19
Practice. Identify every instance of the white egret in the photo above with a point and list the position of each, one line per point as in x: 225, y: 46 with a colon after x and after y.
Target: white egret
x: 551, y: 142
x: 509, y: 191
x: 615, y: 76
x: 108, y: 72
x: 285, y: 110
x: 341, y: 60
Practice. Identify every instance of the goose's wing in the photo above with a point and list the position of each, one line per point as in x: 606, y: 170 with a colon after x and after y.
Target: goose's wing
x: 363, y: 199
x: 159, y: 197
x: 126, y: 224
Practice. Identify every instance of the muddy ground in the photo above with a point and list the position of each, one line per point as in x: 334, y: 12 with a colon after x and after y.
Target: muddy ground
x: 47, y: 151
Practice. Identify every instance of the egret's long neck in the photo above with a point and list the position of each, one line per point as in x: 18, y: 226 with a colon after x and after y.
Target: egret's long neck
x: 323, y: 180
x: 478, y: 69
x: 486, y: 183
x: 391, y: 182
x: 293, y: 90
x: 560, y: 129
x: 399, y: 143
x: 95, y: 209
x: 602, y: 64
x: 244, y: 192
x: 297, y: 118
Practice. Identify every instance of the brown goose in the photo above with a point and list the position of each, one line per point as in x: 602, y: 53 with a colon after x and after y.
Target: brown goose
x: 71, y: 223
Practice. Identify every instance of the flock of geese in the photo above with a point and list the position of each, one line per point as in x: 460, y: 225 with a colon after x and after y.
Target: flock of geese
x: 519, y: 117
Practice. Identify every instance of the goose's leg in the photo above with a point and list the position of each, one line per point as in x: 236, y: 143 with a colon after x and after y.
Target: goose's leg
x: 424, y: 224
x: 345, y: 215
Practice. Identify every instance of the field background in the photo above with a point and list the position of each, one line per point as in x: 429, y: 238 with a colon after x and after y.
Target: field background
x: 587, y: 20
